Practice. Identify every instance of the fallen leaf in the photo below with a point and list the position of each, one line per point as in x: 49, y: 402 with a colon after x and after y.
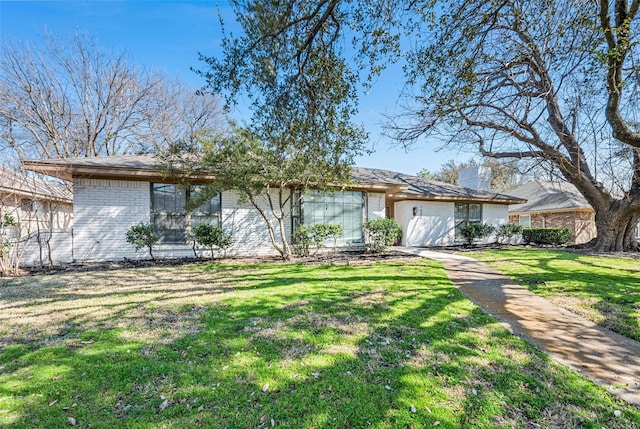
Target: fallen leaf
x: 436, y: 423
x: 164, y: 404
x: 71, y: 421
x: 265, y: 387
x: 52, y: 403
x: 413, y: 409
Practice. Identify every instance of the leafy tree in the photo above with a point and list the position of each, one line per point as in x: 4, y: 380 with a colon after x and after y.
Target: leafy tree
x: 302, y: 97
x: 143, y: 235
x: 551, y: 83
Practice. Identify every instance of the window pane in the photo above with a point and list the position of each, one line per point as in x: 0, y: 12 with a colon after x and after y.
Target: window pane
x: 170, y: 228
x: 343, y: 207
x: 475, y: 213
x: 168, y: 198
x: 525, y: 221
x: 464, y: 214
x: 461, y: 211
x: 211, y: 206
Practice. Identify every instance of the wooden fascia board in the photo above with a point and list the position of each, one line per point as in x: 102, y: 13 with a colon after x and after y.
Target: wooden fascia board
x: 568, y: 210
x: 449, y: 198
x: 68, y: 172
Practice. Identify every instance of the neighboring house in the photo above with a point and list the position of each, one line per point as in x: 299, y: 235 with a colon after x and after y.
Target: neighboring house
x: 42, y: 213
x: 554, y: 205
x: 113, y: 193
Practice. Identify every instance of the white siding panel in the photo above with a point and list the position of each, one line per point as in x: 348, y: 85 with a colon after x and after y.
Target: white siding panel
x: 432, y: 225
x: 375, y: 206
x: 495, y: 215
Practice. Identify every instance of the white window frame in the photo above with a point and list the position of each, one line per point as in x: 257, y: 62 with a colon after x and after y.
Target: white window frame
x: 522, y: 223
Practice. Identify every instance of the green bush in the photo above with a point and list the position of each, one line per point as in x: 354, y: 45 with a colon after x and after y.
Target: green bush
x: 473, y: 231
x: 508, y: 231
x: 326, y: 231
x: 381, y: 233
x: 553, y: 236
x: 143, y: 235
x: 212, y: 236
x: 315, y: 235
x: 302, y: 241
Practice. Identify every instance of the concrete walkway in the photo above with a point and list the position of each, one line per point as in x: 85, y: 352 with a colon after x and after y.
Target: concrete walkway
x: 605, y: 357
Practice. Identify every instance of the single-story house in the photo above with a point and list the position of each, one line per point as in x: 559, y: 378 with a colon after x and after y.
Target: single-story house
x: 113, y: 193
x: 554, y: 205
x: 41, y: 212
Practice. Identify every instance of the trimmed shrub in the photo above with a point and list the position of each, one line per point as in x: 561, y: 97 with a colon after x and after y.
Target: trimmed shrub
x: 143, y: 235
x: 212, y: 236
x: 474, y: 231
x: 381, y: 233
x: 552, y: 236
x: 315, y: 235
x: 508, y: 231
x: 325, y: 231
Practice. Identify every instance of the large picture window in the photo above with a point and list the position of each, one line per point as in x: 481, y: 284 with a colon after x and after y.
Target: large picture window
x: 342, y: 207
x: 169, y: 213
x: 464, y: 214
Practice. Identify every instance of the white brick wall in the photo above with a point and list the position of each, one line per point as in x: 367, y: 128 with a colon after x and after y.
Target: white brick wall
x: 434, y: 222
x: 61, y: 243
x: 103, y: 211
x: 248, y: 228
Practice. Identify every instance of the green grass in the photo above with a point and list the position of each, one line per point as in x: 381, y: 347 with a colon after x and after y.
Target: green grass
x: 603, y: 289
x: 233, y: 345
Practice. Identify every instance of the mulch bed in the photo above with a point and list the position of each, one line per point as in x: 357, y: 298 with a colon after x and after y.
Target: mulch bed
x: 346, y: 258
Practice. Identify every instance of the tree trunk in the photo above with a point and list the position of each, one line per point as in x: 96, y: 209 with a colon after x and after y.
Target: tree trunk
x: 616, y: 228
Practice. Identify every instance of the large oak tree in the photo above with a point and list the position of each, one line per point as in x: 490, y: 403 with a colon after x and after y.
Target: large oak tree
x: 551, y: 82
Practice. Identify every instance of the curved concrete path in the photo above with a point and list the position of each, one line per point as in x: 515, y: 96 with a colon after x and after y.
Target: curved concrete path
x: 605, y: 357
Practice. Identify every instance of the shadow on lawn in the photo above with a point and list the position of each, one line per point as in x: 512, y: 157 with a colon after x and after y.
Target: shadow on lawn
x: 357, y: 352
x: 612, y: 291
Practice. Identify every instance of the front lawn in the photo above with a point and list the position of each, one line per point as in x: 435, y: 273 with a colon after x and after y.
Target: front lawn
x: 238, y: 345
x: 603, y: 289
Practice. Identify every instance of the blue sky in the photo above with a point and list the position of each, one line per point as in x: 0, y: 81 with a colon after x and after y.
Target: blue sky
x: 168, y: 35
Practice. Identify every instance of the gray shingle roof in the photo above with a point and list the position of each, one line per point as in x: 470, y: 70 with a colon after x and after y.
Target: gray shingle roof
x: 15, y: 182
x: 547, y: 197
x: 407, y: 186
x: 419, y: 187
